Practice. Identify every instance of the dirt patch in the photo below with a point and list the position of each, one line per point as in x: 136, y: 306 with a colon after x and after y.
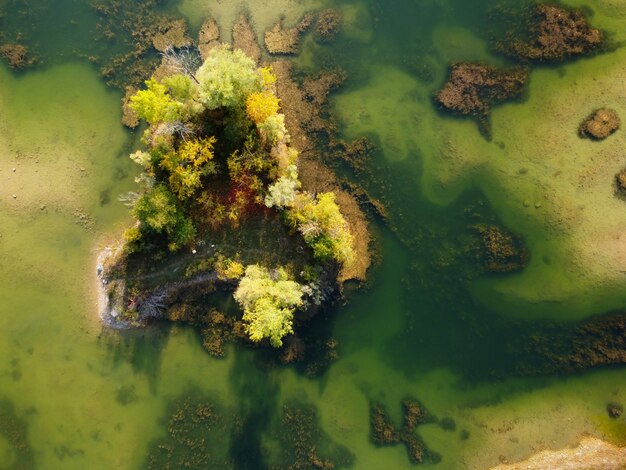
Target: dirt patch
x: 600, y: 124
x: 555, y: 33
x: 244, y: 38
x: 590, y: 453
x: 279, y: 40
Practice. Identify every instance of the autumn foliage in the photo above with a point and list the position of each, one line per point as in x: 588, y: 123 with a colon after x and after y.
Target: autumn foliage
x: 216, y: 150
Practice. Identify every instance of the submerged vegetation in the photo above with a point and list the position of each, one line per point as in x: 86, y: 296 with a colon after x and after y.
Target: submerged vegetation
x: 218, y: 155
x: 551, y: 33
x: 14, y: 432
x: 232, y: 237
x: 539, y: 34
x: 305, y: 445
x: 197, y: 436
x: 202, y: 433
x: 384, y: 433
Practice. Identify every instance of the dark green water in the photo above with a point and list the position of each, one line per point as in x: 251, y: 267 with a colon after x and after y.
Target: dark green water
x: 430, y: 325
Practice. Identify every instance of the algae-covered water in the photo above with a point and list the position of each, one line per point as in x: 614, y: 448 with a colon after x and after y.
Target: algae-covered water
x: 76, y: 395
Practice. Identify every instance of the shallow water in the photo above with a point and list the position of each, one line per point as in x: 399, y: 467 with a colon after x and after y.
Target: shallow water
x: 79, y: 396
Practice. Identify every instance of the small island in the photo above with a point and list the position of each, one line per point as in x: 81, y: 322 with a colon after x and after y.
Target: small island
x: 220, y: 208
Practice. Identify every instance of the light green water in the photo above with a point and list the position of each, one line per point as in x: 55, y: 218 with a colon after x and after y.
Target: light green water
x: 92, y: 398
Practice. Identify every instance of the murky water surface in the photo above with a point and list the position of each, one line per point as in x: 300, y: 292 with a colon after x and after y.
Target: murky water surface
x: 73, y: 395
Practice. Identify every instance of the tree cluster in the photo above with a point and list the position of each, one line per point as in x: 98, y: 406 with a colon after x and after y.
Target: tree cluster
x: 216, y: 150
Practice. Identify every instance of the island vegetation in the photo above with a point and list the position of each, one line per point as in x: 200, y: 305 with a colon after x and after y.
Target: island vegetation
x: 217, y: 163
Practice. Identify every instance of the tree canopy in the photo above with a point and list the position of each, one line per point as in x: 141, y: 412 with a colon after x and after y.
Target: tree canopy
x: 226, y: 78
x: 269, y: 300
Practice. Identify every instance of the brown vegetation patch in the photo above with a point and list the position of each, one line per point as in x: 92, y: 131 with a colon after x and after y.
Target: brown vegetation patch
x: 132, y: 28
x: 16, y: 55
x: 472, y: 88
x: 208, y: 37
x: 129, y: 117
x: 600, y: 124
x: 614, y: 410
x: 503, y: 252
x: 328, y: 24
x: 244, y: 38
x: 304, y: 444
x: 355, y: 154
x: 317, y: 89
x: 384, y: 433
x: 598, y: 341
x: 414, y: 414
x: 172, y: 35
x: 218, y: 329
x: 279, y: 40
x: 555, y: 34
x: 198, y: 436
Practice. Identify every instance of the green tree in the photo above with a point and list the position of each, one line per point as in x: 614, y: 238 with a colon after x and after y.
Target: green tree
x: 187, y: 166
x: 284, y: 191
x: 274, y: 130
x: 226, y: 78
x: 322, y: 226
x: 154, y: 104
x: 180, y: 87
x: 269, y: 300
x: 157, y: 211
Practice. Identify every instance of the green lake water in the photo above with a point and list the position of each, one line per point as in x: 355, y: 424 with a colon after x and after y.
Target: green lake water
x: 76, y: 395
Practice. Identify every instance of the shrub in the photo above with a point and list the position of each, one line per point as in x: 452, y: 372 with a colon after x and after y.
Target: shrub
x: 267, y: 76
x: 260, y: 106
x: 227, y: 268
x: 142, y: 158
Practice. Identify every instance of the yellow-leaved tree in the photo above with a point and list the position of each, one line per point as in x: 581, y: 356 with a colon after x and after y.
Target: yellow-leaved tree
x: 188, y: 165
x: 268, y: 299
x: 261, y: 105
